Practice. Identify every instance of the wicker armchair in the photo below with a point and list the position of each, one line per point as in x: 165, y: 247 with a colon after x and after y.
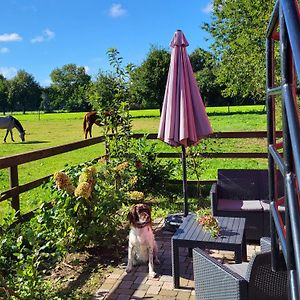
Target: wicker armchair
x: 244, y: 193
x: 265, y: 244
x: 252, y: 281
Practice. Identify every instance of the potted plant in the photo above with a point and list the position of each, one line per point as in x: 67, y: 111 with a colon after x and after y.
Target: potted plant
x: 208, y: 222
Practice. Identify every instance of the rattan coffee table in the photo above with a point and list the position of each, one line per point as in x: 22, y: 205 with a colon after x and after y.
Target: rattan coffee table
x: 190, y: 235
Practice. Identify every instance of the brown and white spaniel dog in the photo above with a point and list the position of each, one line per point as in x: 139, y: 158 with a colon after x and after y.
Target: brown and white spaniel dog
x: 142, y: 247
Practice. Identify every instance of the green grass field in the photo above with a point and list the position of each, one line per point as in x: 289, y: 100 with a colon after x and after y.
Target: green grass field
x: 48, y: 130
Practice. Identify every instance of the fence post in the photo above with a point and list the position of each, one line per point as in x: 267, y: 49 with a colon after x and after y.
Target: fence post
x: 14, y: 182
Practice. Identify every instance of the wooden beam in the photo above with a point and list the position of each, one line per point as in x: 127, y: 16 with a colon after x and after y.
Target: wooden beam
x: 19, y: 159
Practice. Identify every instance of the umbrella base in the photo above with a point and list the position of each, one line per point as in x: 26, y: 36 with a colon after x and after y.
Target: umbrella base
x: 172, y: 222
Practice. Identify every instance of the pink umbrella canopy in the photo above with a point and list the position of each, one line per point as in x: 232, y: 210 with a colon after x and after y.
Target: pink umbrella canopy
x: 183, y: 119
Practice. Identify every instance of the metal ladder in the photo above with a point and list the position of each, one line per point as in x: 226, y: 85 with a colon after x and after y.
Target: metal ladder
x: 284, y: 31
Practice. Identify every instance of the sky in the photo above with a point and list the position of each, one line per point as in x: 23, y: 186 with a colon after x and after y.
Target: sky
x: 40, y: 35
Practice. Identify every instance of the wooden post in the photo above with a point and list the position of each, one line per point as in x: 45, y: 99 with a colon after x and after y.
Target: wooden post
x: 14, y: 182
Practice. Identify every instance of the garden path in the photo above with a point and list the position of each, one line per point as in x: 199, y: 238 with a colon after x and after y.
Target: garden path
x: 136, y: 285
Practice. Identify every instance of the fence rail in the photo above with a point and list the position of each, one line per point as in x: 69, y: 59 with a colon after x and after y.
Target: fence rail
x: 12, y: 162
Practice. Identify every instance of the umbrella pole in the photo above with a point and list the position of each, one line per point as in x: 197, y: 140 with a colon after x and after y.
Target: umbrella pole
x: 184, y: 179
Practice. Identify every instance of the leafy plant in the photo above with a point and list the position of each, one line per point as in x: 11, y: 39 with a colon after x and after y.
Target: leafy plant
x: 152, y: 173
x: 88, y: 213
x: 87, y: 210
x: 116, y: 117
x: 196, y: 162
x: 27, y: 251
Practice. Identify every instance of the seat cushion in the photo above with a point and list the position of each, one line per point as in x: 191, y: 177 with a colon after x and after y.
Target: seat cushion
x: 266, y: 206
x: 240, y: 269
x: 239, y: 205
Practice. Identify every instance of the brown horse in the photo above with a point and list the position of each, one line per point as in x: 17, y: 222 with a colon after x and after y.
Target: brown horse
x: 89, y: 120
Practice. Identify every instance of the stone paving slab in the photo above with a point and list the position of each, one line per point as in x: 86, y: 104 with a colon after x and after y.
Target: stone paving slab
x: 137, y: 285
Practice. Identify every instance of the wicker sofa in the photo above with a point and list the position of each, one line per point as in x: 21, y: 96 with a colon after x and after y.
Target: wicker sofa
x: 245, y: 193
x: 252, y: 281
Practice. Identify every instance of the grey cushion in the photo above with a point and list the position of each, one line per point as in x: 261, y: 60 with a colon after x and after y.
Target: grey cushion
x: 239, y: 205
x: 266, y: 206
x: 240, y: 269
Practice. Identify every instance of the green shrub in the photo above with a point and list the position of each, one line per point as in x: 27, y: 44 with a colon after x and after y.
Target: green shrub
x: 89, y: 205
x: 153, y: 174
x: 27, y: 251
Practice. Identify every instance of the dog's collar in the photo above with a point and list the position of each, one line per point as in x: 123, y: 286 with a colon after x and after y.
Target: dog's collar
x: 141, y: 225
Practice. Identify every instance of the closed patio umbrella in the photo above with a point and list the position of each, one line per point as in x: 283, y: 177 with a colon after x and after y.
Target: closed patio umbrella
x: 183, y: 119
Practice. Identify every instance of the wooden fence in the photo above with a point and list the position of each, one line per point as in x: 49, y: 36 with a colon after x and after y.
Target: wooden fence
x: 12, y: 162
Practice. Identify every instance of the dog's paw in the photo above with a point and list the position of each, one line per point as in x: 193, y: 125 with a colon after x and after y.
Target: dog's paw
x: 128, y: 270
x: 152, y: 274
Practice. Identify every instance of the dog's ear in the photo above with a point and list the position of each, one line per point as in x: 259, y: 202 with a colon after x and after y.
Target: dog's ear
x: 131, y: 215
x: 150, y: 214
x: 148, y: 206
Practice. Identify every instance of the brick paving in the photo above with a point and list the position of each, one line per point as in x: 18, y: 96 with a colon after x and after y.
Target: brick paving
x: 136, y: 284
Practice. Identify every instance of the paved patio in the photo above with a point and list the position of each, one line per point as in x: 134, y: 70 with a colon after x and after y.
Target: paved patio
x: 136, y: 285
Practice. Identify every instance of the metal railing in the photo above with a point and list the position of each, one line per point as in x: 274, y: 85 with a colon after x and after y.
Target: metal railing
x: 286, y: 18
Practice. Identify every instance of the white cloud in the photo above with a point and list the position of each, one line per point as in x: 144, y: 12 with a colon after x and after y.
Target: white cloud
x: 45, y: 37
x: 4, y: 50
x: 8, y: 72
x: 38, y: 39
x: 208, y: 8
x: 87, y: 69
x: 46, y: 82
x: 117, y: 10
x: 10, y: 37
x: 49, y: 34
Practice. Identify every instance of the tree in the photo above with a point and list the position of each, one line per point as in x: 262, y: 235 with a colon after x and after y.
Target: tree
x: 3, y: 94
x: 24, y: 93
x: 148, y: 81
x: 69, y: 85
x: 109, y: 95
x: 203, y: 64
x: 102, y: 91
x: 51, y: 99
x: 199, y: 58
x: 239, y: 28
